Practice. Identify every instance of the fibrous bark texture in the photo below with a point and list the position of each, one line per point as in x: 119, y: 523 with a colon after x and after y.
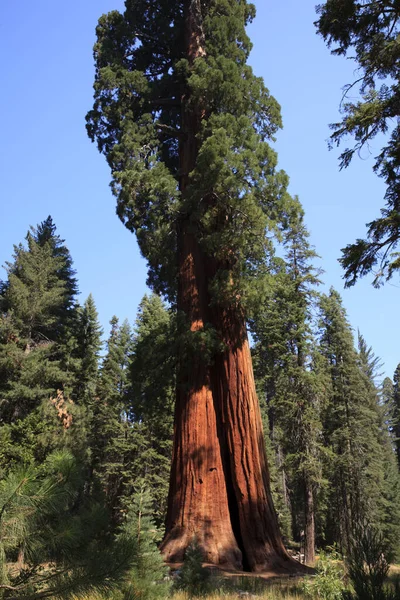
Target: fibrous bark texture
x: 253, y: 516
x: 198, y: 500
x: 219, y: 489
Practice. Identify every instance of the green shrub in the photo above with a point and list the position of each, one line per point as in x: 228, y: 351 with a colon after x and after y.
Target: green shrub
x: 193, y: 578
x: 368, y: 564
x: 148, y: 578
x: 328, y: 582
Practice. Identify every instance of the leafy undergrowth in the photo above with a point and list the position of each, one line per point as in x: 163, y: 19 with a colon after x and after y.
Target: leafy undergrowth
x: 252, y: 588
x: 238, y: 588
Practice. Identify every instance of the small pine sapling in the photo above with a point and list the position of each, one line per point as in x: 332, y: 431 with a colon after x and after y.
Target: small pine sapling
x: 193, y: 578
x: 148, y: 577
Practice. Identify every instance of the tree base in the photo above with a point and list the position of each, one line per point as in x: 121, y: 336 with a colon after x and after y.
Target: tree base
x: 290, y: 571
x: 218, y: 550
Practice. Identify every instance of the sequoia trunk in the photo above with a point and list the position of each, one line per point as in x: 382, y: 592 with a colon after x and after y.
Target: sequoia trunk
x: 198, y: 500
x: 219, y: 489
x: 253, y: 516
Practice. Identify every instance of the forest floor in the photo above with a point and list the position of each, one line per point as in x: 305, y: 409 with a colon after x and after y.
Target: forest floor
x: 249, y: 586
x: 263, y: 587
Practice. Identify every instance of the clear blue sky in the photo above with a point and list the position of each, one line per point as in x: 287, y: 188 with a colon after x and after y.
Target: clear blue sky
x: 48, y: 165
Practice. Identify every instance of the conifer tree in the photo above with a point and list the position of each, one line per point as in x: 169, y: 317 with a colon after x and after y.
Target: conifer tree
x: 36, y: 321
x: 185, y: 125
x: 386, y: 516
x: 282, y: 329
x: 367, y: 32
x: 351, y: 429
x: 147, y: 577
x: 37, y: 291
x: 109, y: 437
x: 395, y: 413
x: 151, y: 397
x: 63, y: 545
x: 88, y: 349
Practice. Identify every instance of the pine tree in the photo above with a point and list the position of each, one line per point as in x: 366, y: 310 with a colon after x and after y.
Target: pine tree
x: 63, y: 545
x: 109, y: 439
x: 185, y: 125
x: 351, y: 429
x: 282, y: 329
x: 152, y: 395
x: 88, y: 349
x: 367, y: 32
x: 36, y: 321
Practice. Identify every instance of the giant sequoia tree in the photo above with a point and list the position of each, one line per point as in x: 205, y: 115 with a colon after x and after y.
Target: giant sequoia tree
x: 184, y: 125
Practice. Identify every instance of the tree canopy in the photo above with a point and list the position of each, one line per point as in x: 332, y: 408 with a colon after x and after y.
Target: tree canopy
x: 368, y: 33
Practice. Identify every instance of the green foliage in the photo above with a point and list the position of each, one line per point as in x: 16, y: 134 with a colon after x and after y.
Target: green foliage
x: 368, y: 33
x: 328, y: 582
x: 352, y: 429
x: 395, y: 413
x: 54, y: 544
x: 89, y: 344
x: 110, y: 442
x: 368, y: 564
x: 37, y: 309
x: 143, y: 93
x: 193, y: 578
x: 148, y: 576
x: 41, y: 286
x: 132, y: 413
x: 37, y: 345
x: 152, y: 396
x: 287, y: 377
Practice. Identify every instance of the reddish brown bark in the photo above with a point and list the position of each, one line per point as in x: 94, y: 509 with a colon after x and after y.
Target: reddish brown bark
x: 252, y: 513
x: 198, y: 500
x: 219, y: 489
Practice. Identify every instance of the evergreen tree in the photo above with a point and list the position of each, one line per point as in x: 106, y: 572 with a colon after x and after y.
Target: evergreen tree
x: 370, y: 364
x: 387, y: 517
x: 282, y: 329
x: 351, y: 429
x: 88, y: 349
x: 36, y: 322
x: 396, y: 412
x: 110, y: 439
x: 152, y: 396
x: 184, y: 125
x: 51, y: 544
x: 368, y: 33
x: 147, y: 577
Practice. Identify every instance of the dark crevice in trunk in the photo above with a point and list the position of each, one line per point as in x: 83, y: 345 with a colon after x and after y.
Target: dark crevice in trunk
x: 234, y: 513
x: 230, y: 491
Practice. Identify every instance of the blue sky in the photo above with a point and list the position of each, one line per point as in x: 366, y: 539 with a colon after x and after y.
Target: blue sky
x: 49, y: 166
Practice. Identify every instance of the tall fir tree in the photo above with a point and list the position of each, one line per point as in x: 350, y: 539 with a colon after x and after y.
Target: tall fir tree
x: 109, y: 437
x: 89, y: 345
x: 386, y: 517
x: 185, y: 125
x: 152, y: 396
x: 396, y: 412
x: 37, y: 306
x: 284, y: 347
x: 351, y: 429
